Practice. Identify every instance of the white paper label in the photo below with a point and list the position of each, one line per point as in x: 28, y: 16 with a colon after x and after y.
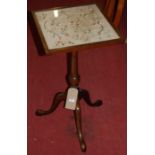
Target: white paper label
x: 71, y: 100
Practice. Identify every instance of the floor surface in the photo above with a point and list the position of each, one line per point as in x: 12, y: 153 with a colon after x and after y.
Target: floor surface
x: 103, y: 73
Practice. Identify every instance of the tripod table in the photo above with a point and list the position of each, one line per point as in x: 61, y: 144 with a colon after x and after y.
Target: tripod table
x: 73, y: 29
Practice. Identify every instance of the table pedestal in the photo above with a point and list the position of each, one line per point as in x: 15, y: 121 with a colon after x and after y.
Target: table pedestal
x: 73, y: 80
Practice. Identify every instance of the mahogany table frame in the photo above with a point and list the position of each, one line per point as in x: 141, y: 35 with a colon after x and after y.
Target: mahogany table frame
x: 72, y: 77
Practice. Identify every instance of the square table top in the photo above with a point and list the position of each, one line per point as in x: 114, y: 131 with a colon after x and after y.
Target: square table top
x: 67, y: 27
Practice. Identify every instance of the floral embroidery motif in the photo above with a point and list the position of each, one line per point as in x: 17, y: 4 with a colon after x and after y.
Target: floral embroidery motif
x: 74, y: 26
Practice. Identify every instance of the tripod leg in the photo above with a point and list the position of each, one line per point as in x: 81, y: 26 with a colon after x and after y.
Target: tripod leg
x: 57, y: 99
x: 77, y: 115
x: 85, y: 95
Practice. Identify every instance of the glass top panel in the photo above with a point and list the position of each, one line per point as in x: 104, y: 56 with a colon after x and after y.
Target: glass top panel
x: 74, y: 26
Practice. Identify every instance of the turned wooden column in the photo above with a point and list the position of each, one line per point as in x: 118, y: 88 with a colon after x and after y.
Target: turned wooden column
x: 73, y: 80
x: 73, y: 77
